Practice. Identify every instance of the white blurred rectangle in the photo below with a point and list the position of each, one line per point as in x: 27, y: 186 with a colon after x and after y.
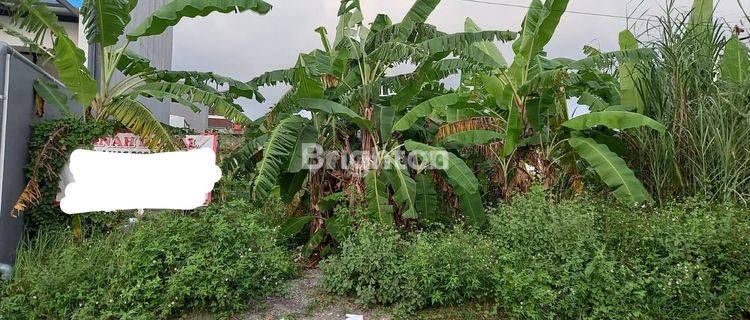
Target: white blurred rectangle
x: 105, y: 181
x: 125, y: 142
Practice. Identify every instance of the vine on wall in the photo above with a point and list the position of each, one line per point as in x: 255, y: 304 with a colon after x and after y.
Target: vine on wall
x: 50, y: 146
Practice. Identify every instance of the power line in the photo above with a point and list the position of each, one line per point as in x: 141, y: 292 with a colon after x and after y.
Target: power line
x: 594, y: 14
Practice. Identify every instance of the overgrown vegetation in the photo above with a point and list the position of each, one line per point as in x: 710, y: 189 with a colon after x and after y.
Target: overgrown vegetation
x: 699, y: 88
x: 572, y: 260
x: 345, y: 87
x: 508, y: 122
x: 218, y: 259
x: 668, y: 122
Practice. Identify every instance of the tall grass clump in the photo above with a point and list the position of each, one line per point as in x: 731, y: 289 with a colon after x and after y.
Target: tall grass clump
x: 705, y: 152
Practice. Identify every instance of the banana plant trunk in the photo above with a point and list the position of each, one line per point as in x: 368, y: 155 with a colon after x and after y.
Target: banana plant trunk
x: 368, y: 140
x: 315, y: 185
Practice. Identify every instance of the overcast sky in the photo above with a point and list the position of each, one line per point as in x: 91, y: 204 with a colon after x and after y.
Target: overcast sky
x: 245, y: 45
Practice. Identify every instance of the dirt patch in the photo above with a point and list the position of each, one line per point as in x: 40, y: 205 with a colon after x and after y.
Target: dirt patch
x: 304, y: 300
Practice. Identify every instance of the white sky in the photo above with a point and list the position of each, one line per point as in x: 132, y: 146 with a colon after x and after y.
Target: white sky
x: 245, y: 45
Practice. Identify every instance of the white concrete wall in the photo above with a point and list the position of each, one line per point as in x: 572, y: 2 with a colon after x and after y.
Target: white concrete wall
x: 70, y: 28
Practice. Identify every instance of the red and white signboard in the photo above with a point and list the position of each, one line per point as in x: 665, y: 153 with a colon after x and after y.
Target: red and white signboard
x: 204, y: 141
x: 126, y: 142
x: 157, y: 181
x: 121, y: 143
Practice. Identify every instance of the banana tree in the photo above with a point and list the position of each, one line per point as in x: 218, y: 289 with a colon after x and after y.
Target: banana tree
x: 354, y: 103
x: 353, y: 67
x: 518, y: 113
x: 734, y: 65
x: 104, y: 98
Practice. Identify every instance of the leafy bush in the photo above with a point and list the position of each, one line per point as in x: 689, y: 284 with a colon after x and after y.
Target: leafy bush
x: 570, y: 260
x: 684, y: 261
x: 369, y: 267
x: 379, y: 267
x: 166, y: 266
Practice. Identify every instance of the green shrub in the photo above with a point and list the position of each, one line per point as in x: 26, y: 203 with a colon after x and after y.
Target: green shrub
x: 165, y: 266
x: 585, y: 259
x: 379, y: 267
x: 368, y: 267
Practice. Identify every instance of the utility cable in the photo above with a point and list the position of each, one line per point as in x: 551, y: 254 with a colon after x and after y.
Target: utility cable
x: 586, y: 13
x: 595, y: 14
